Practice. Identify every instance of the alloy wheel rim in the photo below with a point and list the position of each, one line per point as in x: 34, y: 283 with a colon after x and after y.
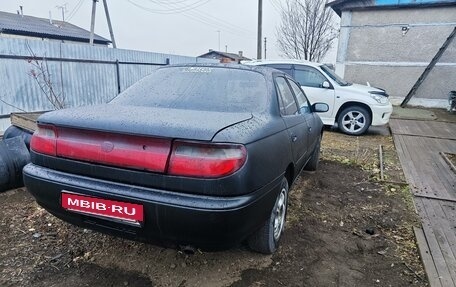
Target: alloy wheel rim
x: 279, y: 212
x: 354, y: 121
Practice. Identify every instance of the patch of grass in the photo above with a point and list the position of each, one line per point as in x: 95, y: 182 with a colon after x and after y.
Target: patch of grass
x: 363, y: 152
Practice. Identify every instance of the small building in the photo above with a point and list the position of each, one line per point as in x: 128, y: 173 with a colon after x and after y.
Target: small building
x: 224, y: 57
x: 21, y: 26
x: 389, y: 43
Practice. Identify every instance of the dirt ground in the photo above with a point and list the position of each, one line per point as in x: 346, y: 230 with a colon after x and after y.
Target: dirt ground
x: 344, y: 228
x: 451, y: 157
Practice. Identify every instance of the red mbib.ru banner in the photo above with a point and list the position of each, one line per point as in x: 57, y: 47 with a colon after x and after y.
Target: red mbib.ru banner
x: 103, y: 207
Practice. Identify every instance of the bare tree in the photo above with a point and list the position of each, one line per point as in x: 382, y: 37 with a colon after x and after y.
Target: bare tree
x: 41, y: 74
x: 306, y: 31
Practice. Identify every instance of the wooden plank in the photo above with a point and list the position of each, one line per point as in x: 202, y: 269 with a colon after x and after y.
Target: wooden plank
x: 450, y: 212
x: 416, y: 163
x: 447, y: 239
x: 435, y: 197
x: 26, y: 121
x: 436, y: 243
x: 424, y: 168
x: 438, y: 174
x: 406, y: 161
x: 426, y: 258
x: 446, y: 175
x: 418, y: 145
x: 432, y: 129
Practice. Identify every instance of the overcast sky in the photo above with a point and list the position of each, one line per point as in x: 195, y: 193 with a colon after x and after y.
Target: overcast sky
x: 183, y: 27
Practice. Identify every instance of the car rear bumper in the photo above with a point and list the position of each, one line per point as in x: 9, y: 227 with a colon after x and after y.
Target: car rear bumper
x: 381, y: 114
x: 200, y: 220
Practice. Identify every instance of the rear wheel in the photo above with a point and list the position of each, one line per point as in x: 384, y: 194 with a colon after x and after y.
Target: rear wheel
x: 266, y: 239
x: 354, y: 120
x: 312, y: 164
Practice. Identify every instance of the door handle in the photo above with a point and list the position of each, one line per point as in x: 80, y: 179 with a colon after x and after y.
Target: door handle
x: 294, y: 138
x: 310, y: 129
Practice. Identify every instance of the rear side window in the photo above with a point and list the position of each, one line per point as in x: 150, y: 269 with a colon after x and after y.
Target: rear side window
x: 286, y: 100
x: 303, y: 104
x: 199, y: 88
x: 282, y: 67
x: 309, y: 77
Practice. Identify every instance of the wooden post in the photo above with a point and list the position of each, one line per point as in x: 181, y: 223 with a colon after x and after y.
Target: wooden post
x: 428, y: 68
x: 380, y: 156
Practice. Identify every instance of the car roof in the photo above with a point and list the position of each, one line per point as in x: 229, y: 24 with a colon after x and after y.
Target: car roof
x: 281, y: 61
x: 266, y: 71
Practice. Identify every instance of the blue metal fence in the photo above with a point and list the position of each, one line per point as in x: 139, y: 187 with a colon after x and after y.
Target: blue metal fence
x: 85, y: 74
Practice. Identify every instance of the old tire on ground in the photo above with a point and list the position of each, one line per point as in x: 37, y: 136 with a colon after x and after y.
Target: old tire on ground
x: 13, y: 131
x: 312, y: 164
x: 266, y: 239
x: 13, y: 157
x: 354, y: 120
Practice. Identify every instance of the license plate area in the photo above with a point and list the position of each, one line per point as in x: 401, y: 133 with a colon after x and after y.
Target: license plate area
x: 112, y: 210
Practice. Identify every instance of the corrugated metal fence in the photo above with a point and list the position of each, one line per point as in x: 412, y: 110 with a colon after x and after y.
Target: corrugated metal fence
x: 84, y: 74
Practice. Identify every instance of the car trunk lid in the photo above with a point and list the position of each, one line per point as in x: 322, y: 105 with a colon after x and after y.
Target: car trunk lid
x: 145, y: 121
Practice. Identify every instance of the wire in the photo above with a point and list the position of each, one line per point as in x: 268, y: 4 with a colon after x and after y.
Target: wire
x: 75, y: 10
x: 276, y: 5
x: 198, y: 16
x: 170, y: 11
x: 166, y: 2
x: 220, y: 21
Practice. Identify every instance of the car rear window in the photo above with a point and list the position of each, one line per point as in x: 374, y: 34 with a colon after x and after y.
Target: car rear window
x: 199, y: 88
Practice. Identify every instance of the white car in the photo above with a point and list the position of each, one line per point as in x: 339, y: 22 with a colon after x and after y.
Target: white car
x: 353, y: 107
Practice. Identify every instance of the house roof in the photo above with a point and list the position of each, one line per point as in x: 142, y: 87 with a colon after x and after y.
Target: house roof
x: 16, y: 24
x: 233, y: 56
x: 339, y: 5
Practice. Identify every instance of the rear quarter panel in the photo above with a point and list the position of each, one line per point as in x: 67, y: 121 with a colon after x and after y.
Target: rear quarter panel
x: 268, y: 148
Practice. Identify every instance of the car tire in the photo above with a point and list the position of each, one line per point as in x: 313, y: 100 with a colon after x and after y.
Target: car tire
x: 266, y: 239
x: 354, y: 120
x: 312, y: 164
x: 13, y: 131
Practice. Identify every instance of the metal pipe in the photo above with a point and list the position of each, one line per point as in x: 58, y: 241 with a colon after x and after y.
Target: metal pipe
x: 92, y: 22
x: 16, y: 57
x: 260, y: 23
x: 109, y: 24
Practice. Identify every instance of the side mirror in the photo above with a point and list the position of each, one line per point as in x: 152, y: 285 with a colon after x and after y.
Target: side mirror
x: 326, y: 85
x: 320, y: 108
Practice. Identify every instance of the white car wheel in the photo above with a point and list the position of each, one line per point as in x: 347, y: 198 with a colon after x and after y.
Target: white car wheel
x: 354, y: 120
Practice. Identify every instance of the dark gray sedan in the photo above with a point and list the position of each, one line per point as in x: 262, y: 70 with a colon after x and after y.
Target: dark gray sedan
x: 199, y: 155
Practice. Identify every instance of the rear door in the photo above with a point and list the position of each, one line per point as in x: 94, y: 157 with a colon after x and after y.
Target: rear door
x: 311, y: 81
x: 295, y: 121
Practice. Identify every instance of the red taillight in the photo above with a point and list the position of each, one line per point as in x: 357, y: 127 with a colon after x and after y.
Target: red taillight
x: 114, y: 149
x: 191, y: 159
x: 44, y: 140
x: 206, y: 160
